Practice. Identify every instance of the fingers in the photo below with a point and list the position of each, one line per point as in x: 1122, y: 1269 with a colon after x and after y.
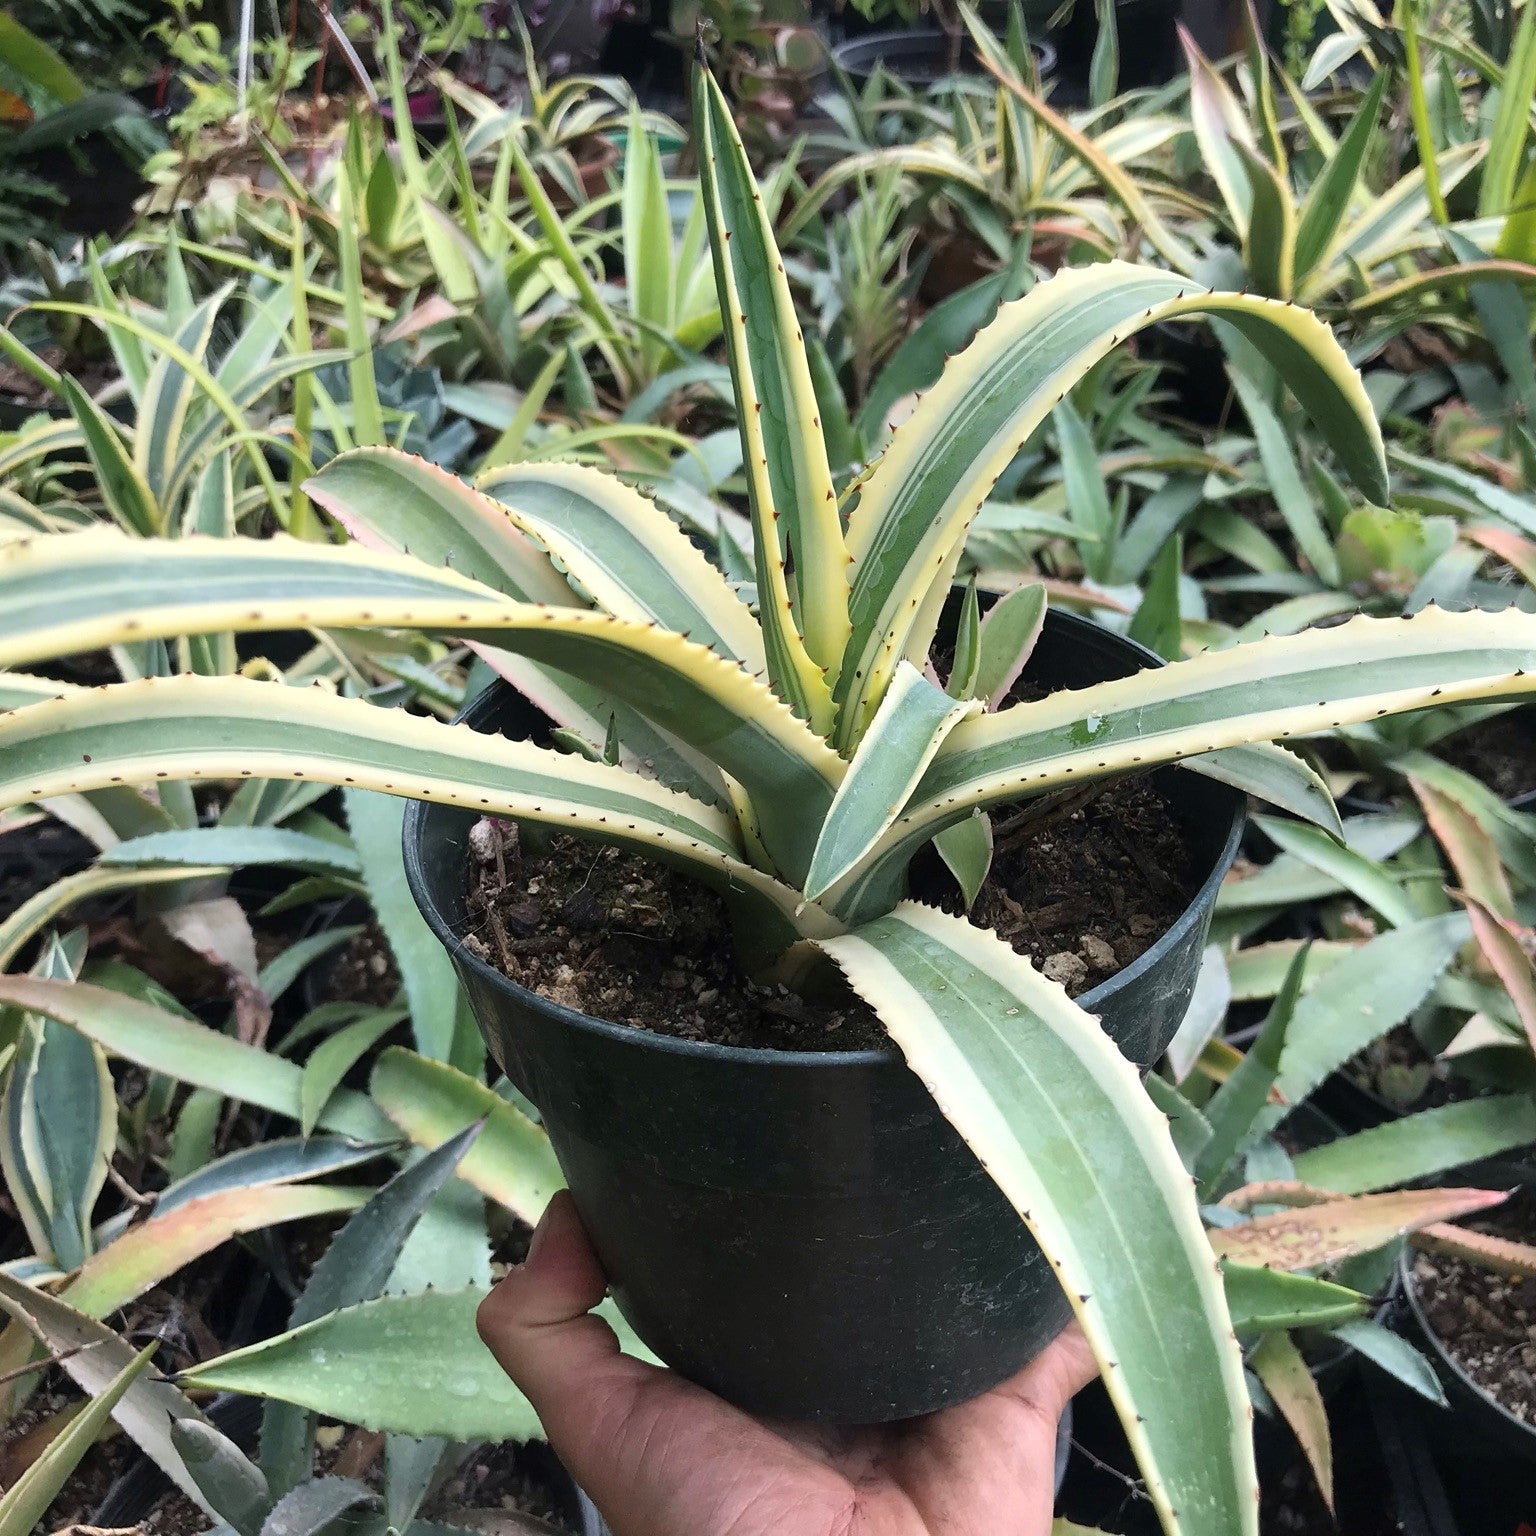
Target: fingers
x: 999, y: 1448
x: 660, y: 1456
x: 1050, y: 1381
x: 537, y: 1324
x: 664, y: 1458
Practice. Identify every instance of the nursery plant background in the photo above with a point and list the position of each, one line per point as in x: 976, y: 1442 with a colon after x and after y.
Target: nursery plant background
x: 258, y: 1168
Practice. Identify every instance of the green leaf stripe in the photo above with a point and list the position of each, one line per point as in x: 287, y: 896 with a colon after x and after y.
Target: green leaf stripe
x: 386, y: 499
x: 168, y: 396
x: 789, y: 482
x: 915, y: 505
x: 628, y: 555
x: 124, y: 490
x: 799, y: 476
x: 1276, y: 687
x: 63, y: 593
x: 390, y: 500
x: 1059, y: 1119
x: 910, y: 726
x: 234, y: 728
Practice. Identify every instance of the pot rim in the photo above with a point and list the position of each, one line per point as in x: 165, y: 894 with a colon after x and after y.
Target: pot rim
x: 854, y: 47
x: 1444, y: 1356
x: 416, y: 811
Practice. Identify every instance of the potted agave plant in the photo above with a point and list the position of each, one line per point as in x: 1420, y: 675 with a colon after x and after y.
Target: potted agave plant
x: 848, y: 1234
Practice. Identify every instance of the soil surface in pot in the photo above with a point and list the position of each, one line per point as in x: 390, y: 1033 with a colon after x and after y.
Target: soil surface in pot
x: 1398, y: 1069
x: 1501, y: 752
x: 1487, y: 1321
x: 494, y: 1481
x: 618, y: 937
x: 33, y: 857
x: 362, y: 971
x: 21, y: 387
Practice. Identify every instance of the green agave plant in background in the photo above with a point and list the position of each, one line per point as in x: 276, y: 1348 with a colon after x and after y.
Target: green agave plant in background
x: 1004, y: 171
x: 193, y: 459
x: 800, y: 756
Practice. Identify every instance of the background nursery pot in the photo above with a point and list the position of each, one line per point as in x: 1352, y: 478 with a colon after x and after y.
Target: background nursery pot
x: 1479, y: 1425
x: 803, y: 1232
x: 917, y: 57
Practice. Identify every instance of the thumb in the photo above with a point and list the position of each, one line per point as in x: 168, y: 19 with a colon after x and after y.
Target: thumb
x: 638, y: 1438
x: 538, y: 1325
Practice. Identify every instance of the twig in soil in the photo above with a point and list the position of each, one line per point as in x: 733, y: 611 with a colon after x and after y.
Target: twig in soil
x: 127, y: 1191
x: 591, y: 870
x: 1049, y: 809
x: 501, y: 862
x: 39, y: 1365
x: 77, y: 1529
x: 499, y: 933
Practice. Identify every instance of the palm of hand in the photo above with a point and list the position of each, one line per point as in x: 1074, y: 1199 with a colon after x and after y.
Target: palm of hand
x: 662, y: 1457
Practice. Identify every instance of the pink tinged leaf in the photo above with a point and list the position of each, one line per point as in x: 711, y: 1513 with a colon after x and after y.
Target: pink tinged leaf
x: 156, y: 1249
x: 535, y: 685
x: 1323, y: 1234
x: 1517, y: 1260
x: 1278, y: 1192
x: 432, y: 311
x: 1516, y: 552
x: 1279, y: 1365
x: 1472, y: 852
x: 1486, y: 894
x: 1068, y: 593
x: 1502, y: 942
x: 219, y: 931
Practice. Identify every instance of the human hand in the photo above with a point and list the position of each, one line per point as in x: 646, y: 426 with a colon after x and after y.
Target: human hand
x: 662, y: 1457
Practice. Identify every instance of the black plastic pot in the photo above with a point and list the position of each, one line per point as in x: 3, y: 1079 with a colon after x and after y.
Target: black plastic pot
x: 1149, y: 43
x: 1479, y: 1425
x: 1417, y: 1493
x: 1196, y: 369
x: 428, y: 118
x: 15, y: 412
x: 917, y: 57
x: 804, y: 1233
x: 1463, y: 1470
x: 34, y: 856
